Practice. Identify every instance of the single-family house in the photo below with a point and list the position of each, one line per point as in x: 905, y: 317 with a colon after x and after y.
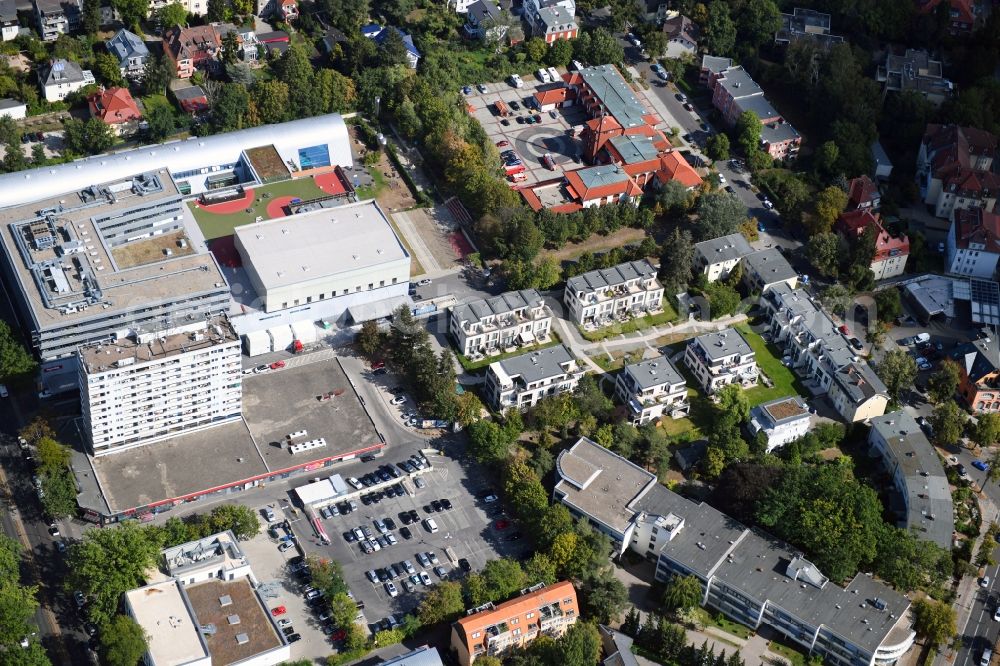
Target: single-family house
x: 189, y: 49
x: 979, y: 373
x: 116, y: 108
x: 63, y: 77
x: 57, y: 17
x: 779, y: 422
x: 716, y: 257
x: 972, y: 247
x: 682, y: 36
x: 131, y: 53
x: 9, y: 25
x: 483, y: 20
x: 955, y: 169
x: 521, y: 381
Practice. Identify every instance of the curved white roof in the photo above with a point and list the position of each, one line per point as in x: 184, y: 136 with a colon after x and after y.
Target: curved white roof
x: 23, y: 187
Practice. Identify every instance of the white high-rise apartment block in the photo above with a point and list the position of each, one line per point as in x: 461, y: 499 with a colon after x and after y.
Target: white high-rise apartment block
x: 151, y: 386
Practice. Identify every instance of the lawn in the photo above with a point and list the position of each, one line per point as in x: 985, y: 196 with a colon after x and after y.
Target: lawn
x: 633, y: 325
x: 769, y: 362
x: 378, y: 184
x: 472, y: 366
x: 219, y: 225
x: 796, y: 657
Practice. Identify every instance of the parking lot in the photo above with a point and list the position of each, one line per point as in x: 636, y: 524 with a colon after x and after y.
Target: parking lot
x: 280, y: 588
x: 469, y: 528
x: 530, y: 141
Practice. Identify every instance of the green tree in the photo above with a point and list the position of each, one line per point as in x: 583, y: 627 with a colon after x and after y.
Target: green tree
x: 295, y: 70
x: 897, y: 370
x: 370, y: 340
x: 825, y: 253
x: 718, y: 146
x: 947, y: 421
x: 17, y: 602
x: 536, y: 49
x: 580, y: 645
x: 241, y: 519
x: 888, y: 304
x: 156, y: 75
x: 941, y: 385
x: 722, y: 299
x: 123, y: 642
x: 560, y: 53
x: 758, y: 21
x: 502, y: 578
x: 719, y: 214
x: 172, y: 15
x: 986, y: 432
x: 87, y: 137
x: 747, y: 131
x: 58, y: 493
x: 392, y: 50
x: 719, y: 31
x: 132, y: 12
x: 161, y: 122
x: 488, y: 443
x: 106, y: 563
x: 909, y: 562
x: 16, y: 364
x: 682, y: 593
x: 443, y: 602
x: 230, y: 108
x: 90, y: 19
x: 830, y: 203
x: 673, y: 198
x: 825, y: 159
x: 934, y: 621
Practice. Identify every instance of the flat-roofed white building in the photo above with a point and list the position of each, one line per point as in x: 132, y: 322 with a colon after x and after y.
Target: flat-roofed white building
x: 511, y: 319
x: 718, y: 256
x: 765, y: 269
x: 780, y: 421
x: 651, y: 389
x: 205, y: 608
x: 523, y: 380
x: 146, y: 387
x: 600, y: 297
x: 348, y: 255
x: 720, y: 358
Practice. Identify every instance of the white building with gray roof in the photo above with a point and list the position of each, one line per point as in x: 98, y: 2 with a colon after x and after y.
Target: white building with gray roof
x: 512, y: 319
x: 721, y: 358
x: 600, y: 297
x: 62, y: 78
x: 766, y: 268
x: 745, y: 574
x: 924, y: 499
x: 521, y: 381
x: 651, y: 389
x: 718, y: 256
x: 131, y: 53
x: 779, y: 421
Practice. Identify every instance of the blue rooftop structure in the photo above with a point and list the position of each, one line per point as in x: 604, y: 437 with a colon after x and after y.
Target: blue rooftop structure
x: 635, y: 149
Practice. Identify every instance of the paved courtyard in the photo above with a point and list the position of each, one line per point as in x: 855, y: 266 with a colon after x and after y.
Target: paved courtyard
x: 531, y: 142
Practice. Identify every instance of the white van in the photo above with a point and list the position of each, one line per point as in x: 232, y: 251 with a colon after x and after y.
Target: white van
x: 430, y: 525
x: 987, y: 656
x: 543, y: 76
x: 554, y: 74
x: 516, y: 81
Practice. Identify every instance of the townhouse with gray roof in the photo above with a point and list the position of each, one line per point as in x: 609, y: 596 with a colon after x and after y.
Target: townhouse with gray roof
x: 721, y: 358
x: 749, y: 576
x: 922, y: 498
x: 9, y: 26
x: 512, y: 319
x: 601, y: 297
x: 131, y: 53
x: 521, y: 381
x: 815, y: 348
x: 652, y: 388
x: 716, y: 257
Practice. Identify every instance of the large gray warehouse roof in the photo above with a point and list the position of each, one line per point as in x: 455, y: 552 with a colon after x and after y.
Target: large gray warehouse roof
x: 35, y: 184
x: 328, y: 241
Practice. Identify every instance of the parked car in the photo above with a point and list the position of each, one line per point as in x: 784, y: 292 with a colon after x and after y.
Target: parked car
x: 481, y: 88
x: 278, y: 610
x: 277, y: 365
x: 980, y: 465
x: 516, y: 81
x: 390, y: 587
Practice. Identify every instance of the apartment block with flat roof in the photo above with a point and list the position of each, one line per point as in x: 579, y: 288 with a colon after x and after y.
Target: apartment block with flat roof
x: 717, y: 256
x: 651, y: 389
x: 148, y: 387
x: 511, y: 319
x: 779, y: 421
x: 541, y: 610
x: 520, y: 382
x: 721, y: 358
x: 601, y: 297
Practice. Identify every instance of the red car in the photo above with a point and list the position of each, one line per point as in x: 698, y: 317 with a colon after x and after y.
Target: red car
x: 501, y: 524
x: 844, y: 329
x: 378, y: 365
x: 278, y: 610
x: 503, y: 144
x: 277, y: 364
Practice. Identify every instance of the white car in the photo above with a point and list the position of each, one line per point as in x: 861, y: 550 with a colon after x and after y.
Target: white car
x: 481, y: 88
x: 984, y: 581
x: 424, y: 578
x: 489, y: 499
x: 390, y: 587
x: 722, y: 179
x: 634, y: 40
x: 768, y: 205
x: 516, y: 81
x: 424, y: 282
x: 398, y: 401
x: 284, y: 623
x: 44, y: 393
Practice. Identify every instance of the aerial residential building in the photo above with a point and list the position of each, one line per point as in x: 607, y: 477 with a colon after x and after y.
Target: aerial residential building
x: 602, y: 185
x: 247, y: 45
x: 918, y: 477
x: 13, y: 109
x: 422, y: 656
x: 973, y: 243
x: 718, y: 256
x: 780, y: 421
x: 9, y: 25
x: 115, y: 107
x: 532, y: 12
x: 380, y: 34
x: 816, y: 349
x: 190, y: 49
x: 617, y: 647
x: 734, y: 92
x: 682, y: 36
x: 807, y: 24
x: 765, y: 269
x: 602, y: 296
x: 347, y: 255
x: 206, y: 607
x: 193, y: 7
x: 954, y: 169
x: 962, y: 14
x: 521, y: 381
x: 483, y: 20
x: 191, y: 98
x: 979, y: 377
x: 509, y: 320
x: 721, y: 358
x: 891, y: 251
x: 863, y: 194
x: 548, y: 610
x: 131, y: 53
x: 673, y: 167
x: 915, y: 71
x: 652, y: 388
x: 57, y: 17
x: 62, y: 78
x: 711, y: 67
x: 150, y: 386
x: 780, y: 140
x: 745, y: 574
x: 554, y: 23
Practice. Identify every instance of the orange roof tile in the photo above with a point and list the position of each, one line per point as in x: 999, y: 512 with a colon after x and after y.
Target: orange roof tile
x: 675, y: 167
x: 554, y: 95
x: 517, y: 607
x: 114, y: 106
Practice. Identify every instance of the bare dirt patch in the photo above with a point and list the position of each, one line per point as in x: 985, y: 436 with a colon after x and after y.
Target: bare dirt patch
x: 151, y: 250
x: 596, y: 243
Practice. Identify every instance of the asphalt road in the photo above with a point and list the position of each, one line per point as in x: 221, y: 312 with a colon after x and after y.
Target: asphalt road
x: 982, y: 630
